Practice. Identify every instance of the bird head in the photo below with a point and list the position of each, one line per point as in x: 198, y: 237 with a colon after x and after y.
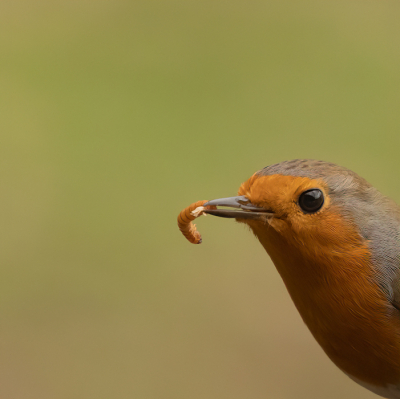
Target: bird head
x: 316, y: 209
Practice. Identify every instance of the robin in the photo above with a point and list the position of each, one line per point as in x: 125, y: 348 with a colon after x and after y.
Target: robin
x: 334, y: 240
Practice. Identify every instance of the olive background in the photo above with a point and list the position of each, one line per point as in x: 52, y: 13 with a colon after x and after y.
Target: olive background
x: 115, y: 115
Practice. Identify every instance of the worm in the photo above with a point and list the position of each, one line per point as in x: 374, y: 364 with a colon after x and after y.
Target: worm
x: 186, y: 217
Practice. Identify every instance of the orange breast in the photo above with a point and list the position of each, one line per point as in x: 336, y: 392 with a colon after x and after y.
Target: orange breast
x: 334, y: 288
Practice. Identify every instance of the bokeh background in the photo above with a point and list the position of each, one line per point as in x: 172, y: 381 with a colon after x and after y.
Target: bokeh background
x: 114, y: 115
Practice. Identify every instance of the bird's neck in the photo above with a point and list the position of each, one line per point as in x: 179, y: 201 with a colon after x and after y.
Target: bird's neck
x: 339, y: 300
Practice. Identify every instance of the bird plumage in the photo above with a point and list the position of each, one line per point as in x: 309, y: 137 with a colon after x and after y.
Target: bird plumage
x: 340, y: 264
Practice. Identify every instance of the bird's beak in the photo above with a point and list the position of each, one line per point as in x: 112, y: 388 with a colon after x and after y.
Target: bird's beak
x: 246, y: 209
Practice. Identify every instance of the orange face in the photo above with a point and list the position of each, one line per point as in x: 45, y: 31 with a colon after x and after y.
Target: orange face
x: 281, y: 195
x: 325, y: 228
x: 316, y: 240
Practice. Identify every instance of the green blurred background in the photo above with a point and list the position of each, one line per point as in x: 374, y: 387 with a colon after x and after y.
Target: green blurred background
x: 115, y: 115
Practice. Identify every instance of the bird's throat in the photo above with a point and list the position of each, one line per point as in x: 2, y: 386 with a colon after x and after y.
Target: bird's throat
x: 340, y: 302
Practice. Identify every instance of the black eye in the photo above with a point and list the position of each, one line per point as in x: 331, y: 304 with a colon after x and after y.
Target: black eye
x: 311, y: 200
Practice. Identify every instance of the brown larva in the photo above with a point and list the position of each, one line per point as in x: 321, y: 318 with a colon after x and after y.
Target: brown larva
x: 186, y: 217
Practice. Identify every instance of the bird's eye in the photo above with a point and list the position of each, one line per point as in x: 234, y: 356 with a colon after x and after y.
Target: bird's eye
x: 311, y: 200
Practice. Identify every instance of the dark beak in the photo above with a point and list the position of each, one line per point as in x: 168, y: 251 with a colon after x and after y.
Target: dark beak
x: 246, y: 209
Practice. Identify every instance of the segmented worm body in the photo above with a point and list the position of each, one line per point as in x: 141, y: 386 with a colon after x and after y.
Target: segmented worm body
x: 186, y: 217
